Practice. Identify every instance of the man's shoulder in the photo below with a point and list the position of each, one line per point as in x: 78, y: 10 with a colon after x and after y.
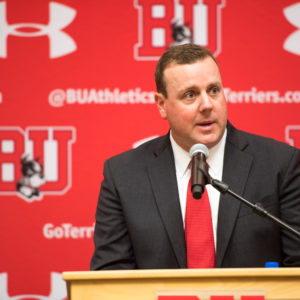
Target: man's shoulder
x: 257, y: 143
x: 143, y: 151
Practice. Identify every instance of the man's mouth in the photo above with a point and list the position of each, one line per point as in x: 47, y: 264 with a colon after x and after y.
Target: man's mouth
x: 206, y: 123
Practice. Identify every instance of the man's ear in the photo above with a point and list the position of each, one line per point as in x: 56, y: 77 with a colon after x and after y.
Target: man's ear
x: 161, y: 105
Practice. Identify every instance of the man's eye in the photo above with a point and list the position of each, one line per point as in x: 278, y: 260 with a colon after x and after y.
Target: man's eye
x: 214, y: 90
x: 190, y: 94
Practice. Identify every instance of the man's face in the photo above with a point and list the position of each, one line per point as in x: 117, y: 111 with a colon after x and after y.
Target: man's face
x: 195, y: 107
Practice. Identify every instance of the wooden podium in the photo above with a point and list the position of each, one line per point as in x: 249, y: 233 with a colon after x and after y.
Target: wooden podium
x: 277, y: 283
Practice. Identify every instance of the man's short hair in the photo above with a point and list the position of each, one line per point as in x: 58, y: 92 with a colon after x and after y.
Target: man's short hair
x: 182, y: 54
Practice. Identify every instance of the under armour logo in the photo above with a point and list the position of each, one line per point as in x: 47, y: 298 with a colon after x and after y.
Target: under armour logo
x: 292, y: 42
x: 60, y: 16
x: 58, y: 289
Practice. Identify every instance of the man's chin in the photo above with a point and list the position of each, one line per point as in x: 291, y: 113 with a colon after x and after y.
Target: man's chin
x: 208, y: 142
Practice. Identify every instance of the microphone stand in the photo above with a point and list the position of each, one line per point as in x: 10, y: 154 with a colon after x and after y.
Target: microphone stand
x: 257, y: 207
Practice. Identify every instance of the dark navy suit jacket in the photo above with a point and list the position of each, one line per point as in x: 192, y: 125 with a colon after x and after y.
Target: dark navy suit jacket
x: 139, y: 222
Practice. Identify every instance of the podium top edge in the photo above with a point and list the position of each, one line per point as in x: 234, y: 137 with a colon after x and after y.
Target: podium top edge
x: 182, y: 273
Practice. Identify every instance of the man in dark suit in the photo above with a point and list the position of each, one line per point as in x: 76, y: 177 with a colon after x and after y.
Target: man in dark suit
x: 141, y: 209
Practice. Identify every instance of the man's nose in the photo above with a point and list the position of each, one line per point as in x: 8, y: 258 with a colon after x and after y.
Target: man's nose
x: 205, y: 103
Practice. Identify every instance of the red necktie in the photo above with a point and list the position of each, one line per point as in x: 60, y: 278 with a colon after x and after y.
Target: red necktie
x: 199, y: 232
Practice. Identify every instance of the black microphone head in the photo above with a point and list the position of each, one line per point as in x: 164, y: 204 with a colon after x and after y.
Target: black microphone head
x: 197, y: 191
x: 199, y: 148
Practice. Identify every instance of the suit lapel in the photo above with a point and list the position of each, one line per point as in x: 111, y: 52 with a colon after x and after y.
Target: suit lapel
x: 236, y: 169
x: 162, y: 176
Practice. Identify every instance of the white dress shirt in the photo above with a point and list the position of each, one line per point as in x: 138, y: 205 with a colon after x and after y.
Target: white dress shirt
x: 183, y: 174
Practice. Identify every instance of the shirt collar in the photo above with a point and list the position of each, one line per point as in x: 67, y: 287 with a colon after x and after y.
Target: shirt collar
x: 182, y: 158
x: 216, y: 158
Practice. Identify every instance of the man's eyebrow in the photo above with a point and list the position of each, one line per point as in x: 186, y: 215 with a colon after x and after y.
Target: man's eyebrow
x: 215, y: 83
x: 188, y: 88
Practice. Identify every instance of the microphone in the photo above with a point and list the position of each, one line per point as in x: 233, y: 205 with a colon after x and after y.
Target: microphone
x: 199, y: 178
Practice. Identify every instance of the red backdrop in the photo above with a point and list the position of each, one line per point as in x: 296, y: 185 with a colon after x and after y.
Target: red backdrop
x: 76, y: 87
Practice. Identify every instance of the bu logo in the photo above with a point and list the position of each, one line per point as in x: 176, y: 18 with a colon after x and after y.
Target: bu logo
x: 163, y: 23
x: 292, y: 135
x: 60, y: 16
x: 292, y: 43
x: 36, y: 162
x: 58, y: 289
